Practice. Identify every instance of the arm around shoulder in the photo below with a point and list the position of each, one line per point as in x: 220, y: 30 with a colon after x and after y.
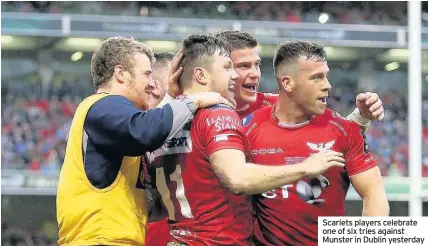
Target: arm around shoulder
x: 240, y: 177
x: 114, y: 123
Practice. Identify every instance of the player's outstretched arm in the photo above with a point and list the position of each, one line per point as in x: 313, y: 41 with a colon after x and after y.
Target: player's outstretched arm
x: 370, y: 187
x: 240, y: 177
x: 114, y: 122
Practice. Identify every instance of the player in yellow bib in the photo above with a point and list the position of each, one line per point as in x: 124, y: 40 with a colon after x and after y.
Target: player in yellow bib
x: 101, y: 197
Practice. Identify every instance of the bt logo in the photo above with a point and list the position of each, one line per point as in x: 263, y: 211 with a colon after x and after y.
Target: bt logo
x: 308, y: 191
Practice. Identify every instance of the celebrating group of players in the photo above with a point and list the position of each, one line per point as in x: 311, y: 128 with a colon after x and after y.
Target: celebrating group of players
x: 247, y: 168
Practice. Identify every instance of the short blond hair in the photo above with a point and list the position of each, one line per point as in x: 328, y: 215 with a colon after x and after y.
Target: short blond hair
x: 116, y: 51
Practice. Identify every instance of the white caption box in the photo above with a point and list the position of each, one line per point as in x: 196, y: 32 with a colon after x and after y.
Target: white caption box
x: 377, y: 231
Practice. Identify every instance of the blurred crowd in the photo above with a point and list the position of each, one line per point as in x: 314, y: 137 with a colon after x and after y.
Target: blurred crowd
x: 17, y: 236
x: 350, y: 12
x: 35, y: 127
x: 387, y: 139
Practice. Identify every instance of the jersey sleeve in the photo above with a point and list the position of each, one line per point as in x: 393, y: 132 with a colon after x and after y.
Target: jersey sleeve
x: 114, y: 123
x: 223, y: 130
x: 357, y: 155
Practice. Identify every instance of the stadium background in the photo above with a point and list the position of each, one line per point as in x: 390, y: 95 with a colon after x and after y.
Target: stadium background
x: 46, y: 49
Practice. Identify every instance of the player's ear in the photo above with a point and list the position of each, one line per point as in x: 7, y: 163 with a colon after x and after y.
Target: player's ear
x: 201, y: 75
x: 287, y: 83
x: 118, y: 73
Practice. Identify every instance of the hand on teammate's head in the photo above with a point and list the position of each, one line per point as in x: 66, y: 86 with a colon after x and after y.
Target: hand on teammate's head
x: 174, y: 74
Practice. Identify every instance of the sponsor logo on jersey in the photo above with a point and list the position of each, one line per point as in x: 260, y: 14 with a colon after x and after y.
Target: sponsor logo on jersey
x: 311, y: 191
x: 180, y: 233
x: 321, y: 146
x: 180, y: 143
x: 250, y: 129
x: 270, y: 151
x: 176, y: 142
x: 223, y: 122
x: 175, y: 244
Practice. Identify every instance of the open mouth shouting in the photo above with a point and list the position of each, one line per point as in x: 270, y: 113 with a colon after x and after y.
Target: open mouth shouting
x: 251, y: 87
x: 323, y: 100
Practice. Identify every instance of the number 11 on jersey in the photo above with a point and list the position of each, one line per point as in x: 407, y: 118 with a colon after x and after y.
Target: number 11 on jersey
x: 179, y: 193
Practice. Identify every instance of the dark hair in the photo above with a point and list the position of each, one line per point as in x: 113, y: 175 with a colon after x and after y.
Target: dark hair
x: 116, y: 51
x: 197, y: 51
x: 289, y: 52
x: 237, y: 39
x: 162, y: 57
x: 161, y: 64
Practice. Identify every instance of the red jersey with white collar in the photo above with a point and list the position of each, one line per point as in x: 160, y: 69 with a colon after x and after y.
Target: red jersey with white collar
x: 289, y: 214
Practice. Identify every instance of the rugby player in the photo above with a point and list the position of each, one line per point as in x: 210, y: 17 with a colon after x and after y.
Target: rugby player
x: 288, y: 215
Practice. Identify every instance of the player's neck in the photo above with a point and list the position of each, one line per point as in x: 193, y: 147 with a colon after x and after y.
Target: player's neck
x: 112, y: 90
x: 116, y: 89
x: 194, y: 89
x: 105, y: 88
x: 289, y: 113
